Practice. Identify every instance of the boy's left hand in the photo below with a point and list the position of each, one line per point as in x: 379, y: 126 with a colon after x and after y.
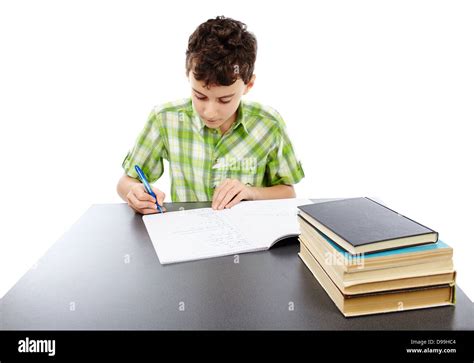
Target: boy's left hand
x: 229, y: 193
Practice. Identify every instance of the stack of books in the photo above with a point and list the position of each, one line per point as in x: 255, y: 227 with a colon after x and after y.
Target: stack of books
x: 371, y: 259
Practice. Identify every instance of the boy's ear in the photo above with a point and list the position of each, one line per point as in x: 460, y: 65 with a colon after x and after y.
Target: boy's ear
x: 249, y: 85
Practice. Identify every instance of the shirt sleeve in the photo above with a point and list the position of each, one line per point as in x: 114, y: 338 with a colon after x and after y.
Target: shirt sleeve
x: 282, y: 165
x: 148, y: 151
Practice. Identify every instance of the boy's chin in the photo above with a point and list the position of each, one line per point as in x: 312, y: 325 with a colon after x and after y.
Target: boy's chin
x: 212, y: 125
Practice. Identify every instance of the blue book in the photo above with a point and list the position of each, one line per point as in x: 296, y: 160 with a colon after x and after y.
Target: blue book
x: 335, y: 255
x: 396, y: 251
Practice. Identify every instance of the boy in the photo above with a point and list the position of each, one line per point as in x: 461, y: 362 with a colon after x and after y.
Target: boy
x: 219, y: 147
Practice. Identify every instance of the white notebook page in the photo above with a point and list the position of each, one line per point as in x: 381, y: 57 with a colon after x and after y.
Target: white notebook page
x: 203, y: 233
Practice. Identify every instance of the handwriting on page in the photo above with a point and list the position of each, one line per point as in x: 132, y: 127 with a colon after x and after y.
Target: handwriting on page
x: 214, y: 226
x: 203, y: 233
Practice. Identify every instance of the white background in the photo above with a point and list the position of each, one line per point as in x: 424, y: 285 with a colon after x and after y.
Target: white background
x: 377, y: 96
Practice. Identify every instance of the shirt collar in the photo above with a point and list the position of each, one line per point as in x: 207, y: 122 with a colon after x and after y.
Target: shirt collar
x: 241, y: 119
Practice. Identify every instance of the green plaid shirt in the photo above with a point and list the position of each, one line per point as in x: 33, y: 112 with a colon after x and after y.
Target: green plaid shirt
x: 255, y: 150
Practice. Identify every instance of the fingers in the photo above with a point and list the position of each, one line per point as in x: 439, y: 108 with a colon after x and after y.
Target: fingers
x: 163, y: 209
x: 231, y: 193
x: 149, y: 211
x: 142, y: 202
x: 141, y: 205
x: 141, y: 194
x: 153, y: 210
x: 238, y: 198
x: 142, y: 211
x: 160, y: 196
x: 224, y: 193
x: 216, y: 199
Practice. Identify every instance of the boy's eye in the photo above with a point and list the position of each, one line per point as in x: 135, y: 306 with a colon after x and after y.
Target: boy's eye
x: 203, y: 98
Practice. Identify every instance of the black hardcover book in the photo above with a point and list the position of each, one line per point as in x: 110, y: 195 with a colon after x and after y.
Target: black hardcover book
x: 361, y: 225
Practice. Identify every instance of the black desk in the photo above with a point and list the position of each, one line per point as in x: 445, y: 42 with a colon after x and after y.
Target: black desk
x: 104, y: 274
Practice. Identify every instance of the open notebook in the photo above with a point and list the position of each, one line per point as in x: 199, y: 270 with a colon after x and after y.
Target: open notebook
x: 204, y: 233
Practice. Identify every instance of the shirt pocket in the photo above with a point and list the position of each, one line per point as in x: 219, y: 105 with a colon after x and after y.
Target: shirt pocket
x: 244, y: 170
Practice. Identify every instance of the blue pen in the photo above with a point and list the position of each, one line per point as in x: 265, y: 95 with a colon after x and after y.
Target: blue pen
x: 147, y: 185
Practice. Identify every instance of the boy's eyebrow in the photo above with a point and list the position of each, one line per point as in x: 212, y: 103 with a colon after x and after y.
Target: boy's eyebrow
x: 202, y: 94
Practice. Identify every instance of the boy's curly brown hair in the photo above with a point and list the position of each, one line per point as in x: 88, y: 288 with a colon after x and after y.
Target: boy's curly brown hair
x: 220, y: 51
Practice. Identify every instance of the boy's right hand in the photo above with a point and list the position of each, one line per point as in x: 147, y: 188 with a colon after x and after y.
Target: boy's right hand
x: 142, y: 202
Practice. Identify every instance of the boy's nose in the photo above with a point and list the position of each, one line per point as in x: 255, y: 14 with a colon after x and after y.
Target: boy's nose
x: 210, y: 113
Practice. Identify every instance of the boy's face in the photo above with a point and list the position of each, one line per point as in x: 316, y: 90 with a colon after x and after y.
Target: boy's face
x: 217, y: 105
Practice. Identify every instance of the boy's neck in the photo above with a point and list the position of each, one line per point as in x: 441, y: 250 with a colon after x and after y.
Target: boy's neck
x: 226, y: 125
